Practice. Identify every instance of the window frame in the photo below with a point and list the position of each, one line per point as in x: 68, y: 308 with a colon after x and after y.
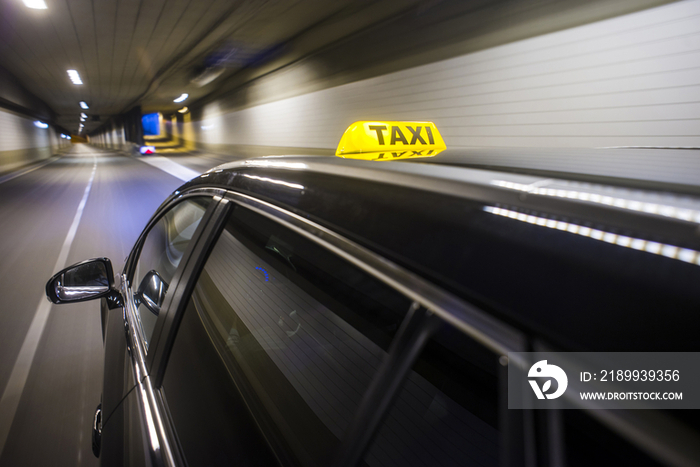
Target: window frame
x: 134, y: 256
x: 406, y: 345
x: 142, y: 359
x: 163, y: 440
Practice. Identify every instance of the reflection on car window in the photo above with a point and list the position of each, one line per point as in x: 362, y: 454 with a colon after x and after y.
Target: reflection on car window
x: 160, y: 256
x: 301, y: 331
x: 446, y: 414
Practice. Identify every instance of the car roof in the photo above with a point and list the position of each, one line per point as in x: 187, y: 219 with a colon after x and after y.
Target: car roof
x: 587, y: 266
x: 624, y: 167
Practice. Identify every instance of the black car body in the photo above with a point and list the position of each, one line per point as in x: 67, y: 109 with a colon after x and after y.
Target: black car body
x: 321, y: 311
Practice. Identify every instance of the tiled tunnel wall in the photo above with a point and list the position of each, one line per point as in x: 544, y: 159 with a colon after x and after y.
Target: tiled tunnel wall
x: 632, y: 80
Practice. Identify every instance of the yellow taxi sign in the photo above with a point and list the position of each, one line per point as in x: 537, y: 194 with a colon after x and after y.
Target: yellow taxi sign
x: 390, y: 140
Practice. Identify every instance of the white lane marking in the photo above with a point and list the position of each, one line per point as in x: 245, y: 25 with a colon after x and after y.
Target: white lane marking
x: 20, y: 371
x: 171, y: 167
x: 12, y: 176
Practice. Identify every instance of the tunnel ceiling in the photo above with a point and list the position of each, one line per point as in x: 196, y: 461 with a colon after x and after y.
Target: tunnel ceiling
x: 130, y: 52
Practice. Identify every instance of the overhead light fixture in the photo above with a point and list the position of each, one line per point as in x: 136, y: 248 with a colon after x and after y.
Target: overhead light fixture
x: 207, y: 76
x: 39, y: 124
x: 84, y: 105
x: 74, y: 76
x: 35, y: 4
x: 184, y: 110
x: 64, y: 136
x: 182, y: 97
x: 82, y: 115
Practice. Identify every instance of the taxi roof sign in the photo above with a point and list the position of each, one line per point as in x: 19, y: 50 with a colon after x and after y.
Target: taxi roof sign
x: 390, y: 140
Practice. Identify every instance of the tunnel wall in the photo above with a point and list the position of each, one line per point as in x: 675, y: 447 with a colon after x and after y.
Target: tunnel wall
x: 113, y: 136
x: 632, y: 80
x: 121, y: 132
x: 21, y: 142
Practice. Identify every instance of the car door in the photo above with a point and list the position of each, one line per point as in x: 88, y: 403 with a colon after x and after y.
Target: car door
x: 290, y: 351
x: 149, y: 279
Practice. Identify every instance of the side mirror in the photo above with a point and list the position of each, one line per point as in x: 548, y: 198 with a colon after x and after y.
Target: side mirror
x: 151, y: 292
x: 83, y: 281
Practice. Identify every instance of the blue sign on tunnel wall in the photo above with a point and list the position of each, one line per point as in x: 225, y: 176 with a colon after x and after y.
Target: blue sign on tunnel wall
x: 150, y: 124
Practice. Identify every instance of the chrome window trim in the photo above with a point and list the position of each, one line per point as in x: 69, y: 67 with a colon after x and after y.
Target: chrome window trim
x: 159, y: 448
x: 493, y: 334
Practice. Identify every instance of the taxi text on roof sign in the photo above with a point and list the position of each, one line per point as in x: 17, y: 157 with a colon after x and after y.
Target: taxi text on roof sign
x: 385, y: 141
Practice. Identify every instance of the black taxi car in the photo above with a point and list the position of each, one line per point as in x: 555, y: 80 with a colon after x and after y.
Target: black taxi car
x: 321, y: 311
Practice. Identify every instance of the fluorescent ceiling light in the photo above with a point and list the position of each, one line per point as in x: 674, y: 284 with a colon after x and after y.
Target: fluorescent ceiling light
x: 182, y: 98
x: 35, y: 4
x: 39, y: 124
x: 74, y: 76
x: 183, y: 110
x: 84, y: 105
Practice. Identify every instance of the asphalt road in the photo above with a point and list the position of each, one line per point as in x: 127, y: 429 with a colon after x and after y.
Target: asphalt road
x: 51, y: 364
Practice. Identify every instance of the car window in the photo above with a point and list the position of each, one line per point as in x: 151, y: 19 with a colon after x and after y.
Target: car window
x: 213, y: 424
x: 300, y: 331
x: 588, y: 442
x: 446, y: 414
x: 160, y: 256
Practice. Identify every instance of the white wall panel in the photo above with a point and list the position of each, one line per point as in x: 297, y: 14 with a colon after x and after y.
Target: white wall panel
x: 21, y: 142
x: 633, y: 80
x: 18, y: 132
